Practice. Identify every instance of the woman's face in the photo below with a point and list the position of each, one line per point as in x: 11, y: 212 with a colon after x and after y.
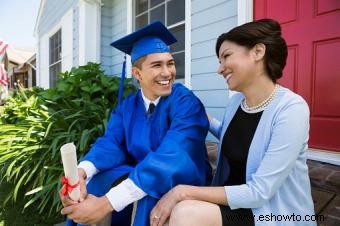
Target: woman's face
x: 237, y: 65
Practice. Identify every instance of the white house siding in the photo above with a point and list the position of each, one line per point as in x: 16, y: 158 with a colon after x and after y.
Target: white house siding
x: 209, y: 20
x: 106, y: 36
x: 119, y: 28
x: 52, y: 13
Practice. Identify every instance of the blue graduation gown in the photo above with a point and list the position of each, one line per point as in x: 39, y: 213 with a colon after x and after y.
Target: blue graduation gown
x: 160, y: 150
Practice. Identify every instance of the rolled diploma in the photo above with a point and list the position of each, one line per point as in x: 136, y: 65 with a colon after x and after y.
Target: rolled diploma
x: 69, y: 158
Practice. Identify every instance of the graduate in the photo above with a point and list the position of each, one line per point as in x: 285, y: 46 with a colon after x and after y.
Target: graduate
x: 154, y: 140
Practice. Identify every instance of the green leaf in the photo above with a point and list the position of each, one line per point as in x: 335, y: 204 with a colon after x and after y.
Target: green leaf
x: 38, y: 189
x: 18, y: 185
x: 34, y: 123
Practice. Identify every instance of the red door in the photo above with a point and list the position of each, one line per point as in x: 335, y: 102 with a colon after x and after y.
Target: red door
x: 311, y: 29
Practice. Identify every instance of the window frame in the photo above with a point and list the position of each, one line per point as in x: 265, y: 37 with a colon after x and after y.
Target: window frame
x: 187, y: 32
x: 51, y: 52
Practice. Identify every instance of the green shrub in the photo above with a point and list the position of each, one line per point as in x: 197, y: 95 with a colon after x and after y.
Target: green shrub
x: 36, y: 123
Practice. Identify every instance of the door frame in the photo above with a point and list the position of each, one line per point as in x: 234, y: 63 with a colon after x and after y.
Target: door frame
x: 245, y: 9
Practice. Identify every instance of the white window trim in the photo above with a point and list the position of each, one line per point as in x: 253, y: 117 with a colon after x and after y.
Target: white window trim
x: 129, y: 24
x: 187, y: 48
x: 50, y: 33
x: 244, y: 11
x: 99, y: 31
x: 42, y: 64
x: 67, y: 41
x: 89, y: 31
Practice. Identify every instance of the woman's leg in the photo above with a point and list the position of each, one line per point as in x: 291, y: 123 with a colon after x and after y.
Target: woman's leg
x: 195, y: 213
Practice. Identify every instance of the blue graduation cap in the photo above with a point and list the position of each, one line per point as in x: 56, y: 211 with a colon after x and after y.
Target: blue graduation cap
x: 153, y: 38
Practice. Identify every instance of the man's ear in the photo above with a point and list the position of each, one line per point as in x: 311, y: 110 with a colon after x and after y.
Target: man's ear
x: 259, y: 50
x: 136, y: 73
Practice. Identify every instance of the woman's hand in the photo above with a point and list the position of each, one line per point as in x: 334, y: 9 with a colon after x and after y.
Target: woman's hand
x: 161, y: 212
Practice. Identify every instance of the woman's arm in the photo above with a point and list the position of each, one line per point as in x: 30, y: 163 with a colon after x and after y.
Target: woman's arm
x: 215, y: 126
x: 209, y: 194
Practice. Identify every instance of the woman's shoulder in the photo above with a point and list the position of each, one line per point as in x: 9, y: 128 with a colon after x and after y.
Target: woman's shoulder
x: 287, y: 99
x: 288, y: 96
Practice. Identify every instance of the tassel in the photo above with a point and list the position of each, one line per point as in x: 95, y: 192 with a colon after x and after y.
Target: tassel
x: 122, y: 80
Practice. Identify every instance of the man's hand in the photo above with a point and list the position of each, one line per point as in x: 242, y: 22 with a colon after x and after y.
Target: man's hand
x: 90, y: 211
x: 82, y: 183
x: 66, y: 200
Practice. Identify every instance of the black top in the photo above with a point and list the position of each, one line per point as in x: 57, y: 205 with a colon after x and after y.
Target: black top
x: 236, y: 143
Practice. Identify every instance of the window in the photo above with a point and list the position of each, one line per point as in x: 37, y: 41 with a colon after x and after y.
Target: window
x: 34, y: 77
x: 172, y: 14
x: 55, y: 57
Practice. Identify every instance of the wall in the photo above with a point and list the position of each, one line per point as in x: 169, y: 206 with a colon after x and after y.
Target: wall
x: 209, y: 20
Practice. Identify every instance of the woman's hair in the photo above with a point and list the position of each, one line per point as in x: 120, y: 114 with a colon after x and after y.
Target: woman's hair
x: 267, y: 32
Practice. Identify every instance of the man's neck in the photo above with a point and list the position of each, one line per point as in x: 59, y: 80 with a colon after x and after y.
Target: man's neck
x: 147, y: 101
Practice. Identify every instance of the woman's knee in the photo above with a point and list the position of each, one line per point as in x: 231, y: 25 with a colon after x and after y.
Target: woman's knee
x: 182, y: 212
x: 193, y: 212
x: 183, y: 208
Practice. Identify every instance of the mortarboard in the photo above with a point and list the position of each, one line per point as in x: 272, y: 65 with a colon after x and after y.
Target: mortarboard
x: 153, y: 38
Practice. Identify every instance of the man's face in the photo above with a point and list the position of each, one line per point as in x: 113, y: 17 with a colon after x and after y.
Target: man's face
x: 156, y: 75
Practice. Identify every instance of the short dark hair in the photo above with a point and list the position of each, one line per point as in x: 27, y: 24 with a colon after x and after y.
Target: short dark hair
x: 138, y: 63
x: 267, y: 32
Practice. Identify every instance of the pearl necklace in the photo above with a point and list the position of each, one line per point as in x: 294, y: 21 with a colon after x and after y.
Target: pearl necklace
x: 261, y: 106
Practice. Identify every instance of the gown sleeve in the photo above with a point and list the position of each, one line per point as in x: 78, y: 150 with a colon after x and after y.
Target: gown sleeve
x: 109, y: 150
x: 181, y: 157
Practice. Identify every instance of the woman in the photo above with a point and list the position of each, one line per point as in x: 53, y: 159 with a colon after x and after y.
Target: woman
x: 262, y: 175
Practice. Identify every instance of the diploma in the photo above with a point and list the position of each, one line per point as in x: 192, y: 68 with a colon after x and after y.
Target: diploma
x: 71, y: 179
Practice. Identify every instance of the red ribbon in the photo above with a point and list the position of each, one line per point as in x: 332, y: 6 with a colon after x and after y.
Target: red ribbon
x: 67, y: 188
